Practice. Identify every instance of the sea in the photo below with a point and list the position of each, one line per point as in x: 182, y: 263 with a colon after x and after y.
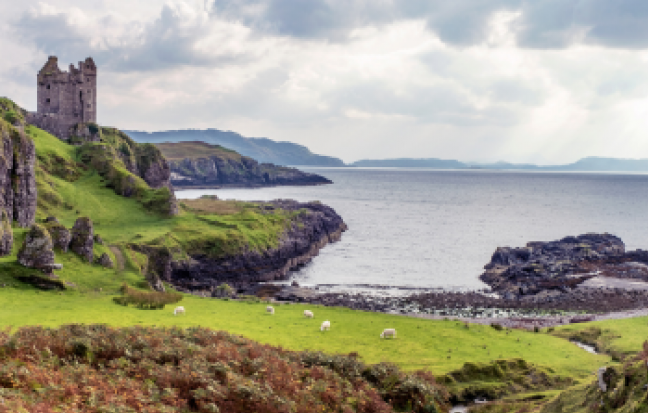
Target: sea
x: 413, y: 229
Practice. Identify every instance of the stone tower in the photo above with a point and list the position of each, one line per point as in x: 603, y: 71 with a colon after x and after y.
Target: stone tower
x: 65, y: 98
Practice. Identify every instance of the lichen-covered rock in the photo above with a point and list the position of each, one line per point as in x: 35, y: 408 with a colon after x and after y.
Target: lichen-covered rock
x: 6, y: 233
x: 17, y: 175
x: 105, y: 261
x: 83, y: 238
x: 37, y: 249
x: 24, y: 180
x: 61, y: 236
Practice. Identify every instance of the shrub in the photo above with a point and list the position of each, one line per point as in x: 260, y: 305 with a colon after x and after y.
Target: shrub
x: 12, y: 117
x: 95, y: 368
x: 146, y: 299
x: 497, y: 326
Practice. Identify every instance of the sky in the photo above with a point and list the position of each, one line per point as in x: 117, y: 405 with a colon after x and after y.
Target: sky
x: 540, y: 81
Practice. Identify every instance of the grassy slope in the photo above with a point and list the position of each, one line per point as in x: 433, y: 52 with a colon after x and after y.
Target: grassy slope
x: 121, y: 220
x: 182, y: 150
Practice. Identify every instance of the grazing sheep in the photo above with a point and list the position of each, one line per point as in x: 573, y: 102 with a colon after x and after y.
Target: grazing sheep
x: 326, y: 325
x: 388, y: 332
x: 270, y: 309
x: 178, y: 310
x: 308, y: 314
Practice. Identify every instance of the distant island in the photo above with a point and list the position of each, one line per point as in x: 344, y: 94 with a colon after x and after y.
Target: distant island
x: 201, y: 165
x: 589, y: 164
x: 263, y: 150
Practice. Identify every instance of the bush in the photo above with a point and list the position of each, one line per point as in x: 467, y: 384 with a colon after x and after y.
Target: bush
x: 12, y: 117
x: 153, y: 300
x: 97, y: 368
x: 497, y: 326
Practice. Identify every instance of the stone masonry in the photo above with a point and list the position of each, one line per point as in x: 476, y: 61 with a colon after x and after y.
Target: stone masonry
x: 65, y: 98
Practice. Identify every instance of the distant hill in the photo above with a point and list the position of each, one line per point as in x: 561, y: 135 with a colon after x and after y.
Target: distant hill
x: 412, y: 163
x: 589, y: 164
x: 262, y: 149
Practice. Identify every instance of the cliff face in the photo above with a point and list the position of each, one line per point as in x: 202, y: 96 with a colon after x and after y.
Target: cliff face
x: 17, y: 182
x: 313, y: 226
x: 198, y: 164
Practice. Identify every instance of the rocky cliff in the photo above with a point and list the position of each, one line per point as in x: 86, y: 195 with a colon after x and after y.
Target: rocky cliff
x: 18, y: 193
x: 198, y: 164
x: 311, y: 228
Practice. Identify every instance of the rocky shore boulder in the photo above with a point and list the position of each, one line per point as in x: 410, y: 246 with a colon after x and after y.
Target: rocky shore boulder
x: 82, y: 241
x: 543, y: 266
x: 37, y: 249
x: 61, y: 236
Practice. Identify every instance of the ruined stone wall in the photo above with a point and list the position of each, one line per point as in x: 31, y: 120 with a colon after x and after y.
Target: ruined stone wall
x: 65, y: 98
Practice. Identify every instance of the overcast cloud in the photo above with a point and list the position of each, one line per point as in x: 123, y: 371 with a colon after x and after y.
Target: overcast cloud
x: 546, y: 81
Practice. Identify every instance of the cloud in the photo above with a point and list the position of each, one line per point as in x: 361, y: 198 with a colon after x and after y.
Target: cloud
x: 183, y: 34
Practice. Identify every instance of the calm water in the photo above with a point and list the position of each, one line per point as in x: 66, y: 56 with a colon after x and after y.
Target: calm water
x: 423, y: 228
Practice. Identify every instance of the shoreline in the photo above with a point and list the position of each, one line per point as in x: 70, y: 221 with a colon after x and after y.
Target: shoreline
x: 472, y: 307
x: 238, y: 186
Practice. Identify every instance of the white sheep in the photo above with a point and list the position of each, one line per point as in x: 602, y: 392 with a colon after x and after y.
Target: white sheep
x: 326, y: 325
x: 270, y: 309
x: 388, y: 332
x: 178, y: 310
x: 308, y: 314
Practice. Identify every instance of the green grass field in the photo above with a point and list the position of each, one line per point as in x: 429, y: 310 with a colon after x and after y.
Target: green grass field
x: 421, y: 344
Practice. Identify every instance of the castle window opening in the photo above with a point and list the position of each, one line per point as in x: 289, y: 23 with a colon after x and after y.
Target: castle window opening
x: 47, y: 101
x: 48, y: 86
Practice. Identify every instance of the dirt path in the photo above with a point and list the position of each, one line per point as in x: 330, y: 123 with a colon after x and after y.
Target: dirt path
x: 119, y: 257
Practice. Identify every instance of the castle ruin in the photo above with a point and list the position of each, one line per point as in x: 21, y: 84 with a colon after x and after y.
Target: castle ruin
x: 65, y: 99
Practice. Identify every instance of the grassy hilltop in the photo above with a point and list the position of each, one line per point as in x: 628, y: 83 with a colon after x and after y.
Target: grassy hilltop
x: 89, y: 180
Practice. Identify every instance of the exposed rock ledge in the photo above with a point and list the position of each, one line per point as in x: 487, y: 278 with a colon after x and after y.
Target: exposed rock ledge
x: 543, y: 270
x: 308, y: 234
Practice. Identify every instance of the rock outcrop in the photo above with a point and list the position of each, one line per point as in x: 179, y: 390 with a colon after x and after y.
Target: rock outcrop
x: 83, y: 238
x: 6, y: 234
x: 546, y: 268
x: 105, y: 261
x: 312, y: 229
x: 37, y: 249
x: 61, y: 236
x: 17, y: 175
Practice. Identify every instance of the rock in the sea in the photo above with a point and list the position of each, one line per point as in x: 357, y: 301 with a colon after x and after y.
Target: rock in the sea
x: 556, y: 265
x: 37, y: 249
x: 83, y: 238
x: 105, y: 261
x: 61, y: 236
x: 6, y: 233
